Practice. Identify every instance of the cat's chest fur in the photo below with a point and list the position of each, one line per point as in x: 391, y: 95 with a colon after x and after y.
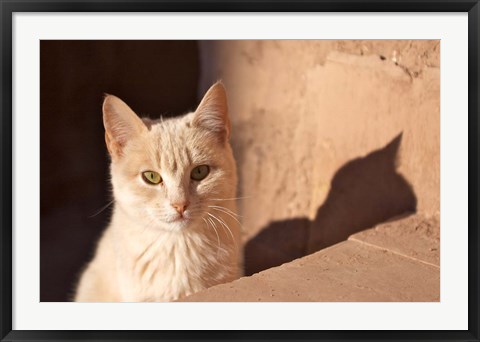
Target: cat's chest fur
x: 164, y: 266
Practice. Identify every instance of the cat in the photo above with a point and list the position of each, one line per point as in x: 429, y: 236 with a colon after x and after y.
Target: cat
x: 174, y: 229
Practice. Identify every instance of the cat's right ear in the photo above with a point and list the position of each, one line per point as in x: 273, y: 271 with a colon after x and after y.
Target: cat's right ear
x: 121, y: 124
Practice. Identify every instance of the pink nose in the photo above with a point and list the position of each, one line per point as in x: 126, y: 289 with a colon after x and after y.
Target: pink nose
x: 180, y: 207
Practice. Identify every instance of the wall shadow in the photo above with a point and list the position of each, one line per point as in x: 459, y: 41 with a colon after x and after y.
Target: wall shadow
x: 364, y: 192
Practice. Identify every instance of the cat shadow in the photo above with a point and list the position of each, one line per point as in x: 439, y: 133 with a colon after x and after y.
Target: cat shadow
x: 364, y: 192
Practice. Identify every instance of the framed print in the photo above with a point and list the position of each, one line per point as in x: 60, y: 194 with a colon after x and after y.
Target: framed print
x: 246, y: 170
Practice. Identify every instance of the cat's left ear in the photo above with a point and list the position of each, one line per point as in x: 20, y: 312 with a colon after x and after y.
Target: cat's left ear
x: 212, y: 112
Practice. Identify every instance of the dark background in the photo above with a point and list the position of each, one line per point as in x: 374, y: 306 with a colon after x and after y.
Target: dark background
x: 153, y: 77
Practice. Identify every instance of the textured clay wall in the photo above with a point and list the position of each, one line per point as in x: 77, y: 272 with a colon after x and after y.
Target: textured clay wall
x: 331, y: 137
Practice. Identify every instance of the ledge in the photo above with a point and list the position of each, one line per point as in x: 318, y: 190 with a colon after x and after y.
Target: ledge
x: 396, y: 261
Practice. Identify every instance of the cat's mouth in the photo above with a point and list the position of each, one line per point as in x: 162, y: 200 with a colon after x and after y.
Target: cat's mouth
x: 181, y: 218
x: 178, y: 219
x: 179, y: 223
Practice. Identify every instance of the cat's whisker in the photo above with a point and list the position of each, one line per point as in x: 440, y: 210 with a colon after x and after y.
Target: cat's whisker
x: 218, y: 237
x: 194, y: 211
x: 230, y: 213
x: 214, y: 225
x: 230, y: 199
x: 102, y: 209
x: 226, y: 212
x: 226, y: 226
x: 223, y: 223
x: 212, y: 222
x: 226, y: 209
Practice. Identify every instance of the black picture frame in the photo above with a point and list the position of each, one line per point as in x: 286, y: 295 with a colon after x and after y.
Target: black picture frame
x: 8, y: 7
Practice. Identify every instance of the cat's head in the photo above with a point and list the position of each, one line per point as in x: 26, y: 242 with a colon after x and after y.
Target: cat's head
x: 166, y: 172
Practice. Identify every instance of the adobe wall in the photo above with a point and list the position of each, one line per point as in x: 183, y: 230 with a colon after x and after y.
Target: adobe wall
x: 331, y: 137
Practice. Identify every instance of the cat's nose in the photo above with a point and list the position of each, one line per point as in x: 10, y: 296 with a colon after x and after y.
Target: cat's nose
x: 180, y: 207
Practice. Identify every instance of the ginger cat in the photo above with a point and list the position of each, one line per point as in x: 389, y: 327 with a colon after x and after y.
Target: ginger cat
x: 174, y: 229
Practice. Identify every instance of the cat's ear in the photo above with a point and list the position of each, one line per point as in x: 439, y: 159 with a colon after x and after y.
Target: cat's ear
x: 121, y: 124
x: 212, y: 112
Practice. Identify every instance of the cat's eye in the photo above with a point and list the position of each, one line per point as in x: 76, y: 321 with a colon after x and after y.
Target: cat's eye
x: 200, y: 172
x: 151, y: 177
